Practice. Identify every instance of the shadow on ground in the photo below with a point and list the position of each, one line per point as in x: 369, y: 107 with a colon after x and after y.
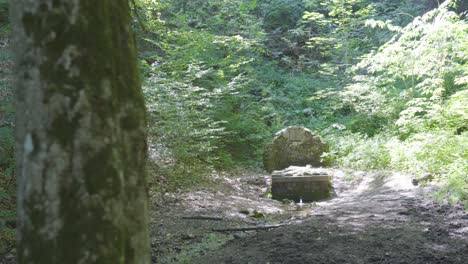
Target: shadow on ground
x: 375, y: 217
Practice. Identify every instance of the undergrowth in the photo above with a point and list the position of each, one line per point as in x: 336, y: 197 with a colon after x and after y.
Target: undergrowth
x: 7, y: 162
x: 384, y: 82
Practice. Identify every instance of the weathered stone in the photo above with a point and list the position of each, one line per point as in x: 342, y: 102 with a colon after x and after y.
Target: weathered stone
x: 293, y: 146
x: 306, y: 183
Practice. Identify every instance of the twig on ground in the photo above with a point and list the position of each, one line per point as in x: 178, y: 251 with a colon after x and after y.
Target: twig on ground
x: 200, y: 217
x: 249, y: 228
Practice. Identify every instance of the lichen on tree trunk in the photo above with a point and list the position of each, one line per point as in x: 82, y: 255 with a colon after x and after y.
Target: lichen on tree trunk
x: 81, y: 140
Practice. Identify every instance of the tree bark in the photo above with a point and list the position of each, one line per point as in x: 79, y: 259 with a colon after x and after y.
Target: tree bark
x: 81, y: 134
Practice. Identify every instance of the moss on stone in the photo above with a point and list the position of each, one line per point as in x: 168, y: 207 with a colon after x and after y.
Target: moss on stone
x: 296, y: 146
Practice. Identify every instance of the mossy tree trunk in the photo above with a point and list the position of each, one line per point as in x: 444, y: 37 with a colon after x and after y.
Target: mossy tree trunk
x: 81, y: 140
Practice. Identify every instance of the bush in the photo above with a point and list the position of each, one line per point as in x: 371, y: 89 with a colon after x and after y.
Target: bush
x: 455, y: 187
x: 188, y: 140
x: 441, y: 153
x: 359, y: 151
x: 432, y: 152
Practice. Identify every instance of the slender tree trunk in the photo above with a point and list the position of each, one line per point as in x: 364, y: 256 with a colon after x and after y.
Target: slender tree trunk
x: 81, y: 140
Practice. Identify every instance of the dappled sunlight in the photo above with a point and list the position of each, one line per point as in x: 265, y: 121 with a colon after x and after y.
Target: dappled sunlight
x: 229, y: 205
x: 370, y: 211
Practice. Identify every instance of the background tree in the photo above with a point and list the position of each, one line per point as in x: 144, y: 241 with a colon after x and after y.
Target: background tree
x: 80, y: 134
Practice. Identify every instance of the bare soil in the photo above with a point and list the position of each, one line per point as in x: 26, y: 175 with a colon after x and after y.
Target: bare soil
x: 373, y: 217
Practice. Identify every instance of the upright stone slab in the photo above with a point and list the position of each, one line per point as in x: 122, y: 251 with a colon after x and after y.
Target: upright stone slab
x: 306, y: 183
x: 293, y: 146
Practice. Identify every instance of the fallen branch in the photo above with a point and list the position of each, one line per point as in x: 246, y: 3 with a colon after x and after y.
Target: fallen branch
x: 249, y: 228
x: 200, y: 217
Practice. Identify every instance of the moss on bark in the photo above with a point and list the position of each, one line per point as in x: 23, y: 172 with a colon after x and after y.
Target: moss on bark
x: 81, y: 181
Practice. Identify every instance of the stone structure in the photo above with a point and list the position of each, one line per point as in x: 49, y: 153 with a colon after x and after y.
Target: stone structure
x: 293, y: 146
x: 306, y: 183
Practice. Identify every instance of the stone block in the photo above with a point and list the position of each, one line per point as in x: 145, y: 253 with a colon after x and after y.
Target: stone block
x: 293, y: 146
x: 304, y: 183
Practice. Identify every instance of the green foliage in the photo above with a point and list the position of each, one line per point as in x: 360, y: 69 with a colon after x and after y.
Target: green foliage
x: 6, y: 111
x: 281, y: 14
x: 4, y: 4
x: 333, y: 34
x: 414, y: 88
x: 7, y: 162
x: 203, y: 107
x: 220, y: 17
x: 354, y: 150
x: 432, y: 152
x: 439, y: 153
x: 182, y: 129
x: 383, y: 84
x: 412, y: 76
x: 454, y: 189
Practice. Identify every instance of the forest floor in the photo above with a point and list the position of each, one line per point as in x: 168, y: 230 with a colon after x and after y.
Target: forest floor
x: 373, y: 217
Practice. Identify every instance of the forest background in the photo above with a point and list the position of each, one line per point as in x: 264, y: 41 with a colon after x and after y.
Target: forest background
x: 384, y: 83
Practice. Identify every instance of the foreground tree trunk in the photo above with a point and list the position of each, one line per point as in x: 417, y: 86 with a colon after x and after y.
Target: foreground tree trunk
x: 81, y: 141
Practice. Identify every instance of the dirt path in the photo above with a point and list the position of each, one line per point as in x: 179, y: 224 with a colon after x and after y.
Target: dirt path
x: 376, y: 218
